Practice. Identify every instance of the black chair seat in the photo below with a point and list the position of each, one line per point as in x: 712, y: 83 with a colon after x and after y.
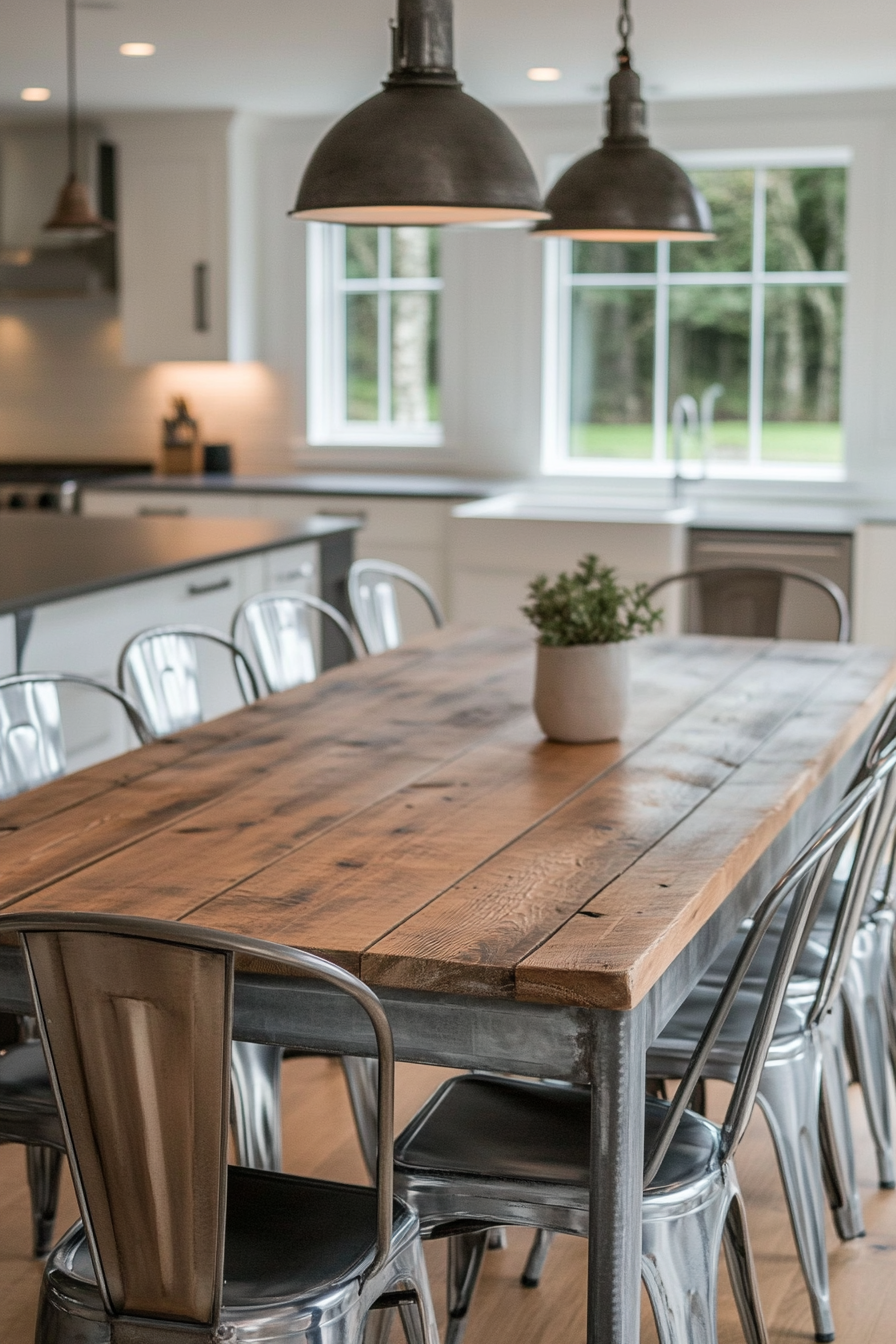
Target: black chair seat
x: 27, y: 1108
x: 510, y: 1130
x: 683, y: 1031
x: 286, y: 1236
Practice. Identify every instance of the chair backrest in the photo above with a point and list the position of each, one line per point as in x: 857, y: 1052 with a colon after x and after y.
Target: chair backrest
x: 281, y: 637
x: 136, y: 1020
x: 805, y: 884
x: 32, y: 741
x: 374, y: 602
x: 161, y: 668
x: 746, y: 599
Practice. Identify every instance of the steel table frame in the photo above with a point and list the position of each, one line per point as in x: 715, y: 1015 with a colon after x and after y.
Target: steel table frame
x: 602, y: 1047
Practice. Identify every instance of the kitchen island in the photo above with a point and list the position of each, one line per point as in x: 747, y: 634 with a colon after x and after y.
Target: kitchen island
x: 73, y: 590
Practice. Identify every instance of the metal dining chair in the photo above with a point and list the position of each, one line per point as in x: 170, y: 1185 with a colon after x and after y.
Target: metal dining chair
x: 160, y: 667
x: 281, y: 637
x: 802, y: 1088
x: 32, y: 752
x: 32, y: 736
x: 135, y: 1016
x: 494, y: 1150
x: 746, y: 599
x: 374, y: 602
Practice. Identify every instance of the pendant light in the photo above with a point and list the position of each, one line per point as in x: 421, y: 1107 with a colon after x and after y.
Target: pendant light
x: 625, y: 191
x: 422, y: 151
x: 74, y: 212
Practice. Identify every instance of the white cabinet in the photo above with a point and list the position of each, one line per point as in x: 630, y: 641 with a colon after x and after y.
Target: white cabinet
x: 183, y: 278
x: 874, y: 605
x: 409, y: 531
x: 86, y: 635
x: 493, y: 558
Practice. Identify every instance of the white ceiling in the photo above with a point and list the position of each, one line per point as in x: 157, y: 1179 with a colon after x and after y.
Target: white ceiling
x: 320, y: 56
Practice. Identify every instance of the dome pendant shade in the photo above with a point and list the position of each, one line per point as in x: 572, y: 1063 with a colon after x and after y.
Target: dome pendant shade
x: 625, y: 191
x: 74, y: 213
x: 422, y: 151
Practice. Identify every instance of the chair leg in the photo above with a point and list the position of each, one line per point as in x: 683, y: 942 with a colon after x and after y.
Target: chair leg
x: 497, y: 1239
x: 362, y: 1081
x: 531, y: 1276
x: 255, y: 1105
x: 742, y: 1272
x: 838, y: 1154
x: 465, y: 1255
x: 680, y: 1268
x: 44, y: 1167
x: 790, y: 1095
x: 863, y: 998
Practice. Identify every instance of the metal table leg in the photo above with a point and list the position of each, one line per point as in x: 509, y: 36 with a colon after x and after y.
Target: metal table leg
x: 617, y: 1160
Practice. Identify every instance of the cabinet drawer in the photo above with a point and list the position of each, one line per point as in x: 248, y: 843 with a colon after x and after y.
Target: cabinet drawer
x: 295, y: 567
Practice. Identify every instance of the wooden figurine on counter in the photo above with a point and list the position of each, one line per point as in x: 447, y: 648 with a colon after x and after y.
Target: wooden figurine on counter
x: 179, y: 441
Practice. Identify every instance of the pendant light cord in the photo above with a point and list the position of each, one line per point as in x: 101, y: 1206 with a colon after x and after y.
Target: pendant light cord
x: 72, y: 88
x: 624, y: 27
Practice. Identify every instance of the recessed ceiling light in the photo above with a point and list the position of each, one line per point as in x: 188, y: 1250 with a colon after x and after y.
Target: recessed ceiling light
x: 544, y: 74
x: 137, y: 49
x: 34, y: 95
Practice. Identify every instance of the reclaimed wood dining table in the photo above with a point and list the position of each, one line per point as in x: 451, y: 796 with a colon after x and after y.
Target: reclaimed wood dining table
x: 518, y: 904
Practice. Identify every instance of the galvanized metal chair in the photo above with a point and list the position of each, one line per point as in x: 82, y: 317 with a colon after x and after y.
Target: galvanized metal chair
x: 135, y: 1016
x: 281, y: 636
x: 374, y: 602
x: 494, y: 1150
x: 32, y: 736
x: 746, y: 599
x: 32, y: 752
x: 802, y: 1088
x: 162, y: 667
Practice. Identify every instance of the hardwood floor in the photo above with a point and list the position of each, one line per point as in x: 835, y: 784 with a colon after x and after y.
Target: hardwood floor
x: 319, y: 1141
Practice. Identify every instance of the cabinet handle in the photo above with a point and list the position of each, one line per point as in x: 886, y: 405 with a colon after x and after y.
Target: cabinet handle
x: 162, y: 513
x: 197, y: 589
x: 303, y: 572
x: 200, y: 296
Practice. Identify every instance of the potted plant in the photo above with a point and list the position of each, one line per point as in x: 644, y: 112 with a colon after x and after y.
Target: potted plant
x: 585, y: 621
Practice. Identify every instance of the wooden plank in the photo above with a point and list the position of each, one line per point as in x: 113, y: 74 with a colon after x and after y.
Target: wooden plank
x: 447, y: 662
x: 473, y: 937
x: 290, y: 805
x: 251, y: 790
x: 346, y: 891
x: 616, y: 947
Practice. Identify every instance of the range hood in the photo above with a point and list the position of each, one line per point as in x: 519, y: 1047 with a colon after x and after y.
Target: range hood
x: 33, y: 263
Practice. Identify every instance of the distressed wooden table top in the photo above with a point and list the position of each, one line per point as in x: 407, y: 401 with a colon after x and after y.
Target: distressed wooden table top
x: 404, y: 816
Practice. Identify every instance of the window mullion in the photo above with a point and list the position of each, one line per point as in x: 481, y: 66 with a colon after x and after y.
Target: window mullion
x: 757, y: 318
x: 384, y: 326
x: 661, y: 354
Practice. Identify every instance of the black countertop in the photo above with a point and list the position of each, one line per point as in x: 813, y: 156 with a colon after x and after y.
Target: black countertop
x: 48, y: 557
x: 317, y: 483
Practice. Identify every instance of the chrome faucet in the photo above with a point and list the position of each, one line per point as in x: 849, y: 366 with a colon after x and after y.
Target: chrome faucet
x: 684, y: 411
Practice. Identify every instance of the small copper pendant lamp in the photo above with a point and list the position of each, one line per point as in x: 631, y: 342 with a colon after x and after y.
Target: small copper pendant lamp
x: 74, y: 212
x: 422, y: 151
x: 626, y: 191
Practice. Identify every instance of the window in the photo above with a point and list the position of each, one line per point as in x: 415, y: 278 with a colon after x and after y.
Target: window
x: 726, y: 352
x: 373, y: 344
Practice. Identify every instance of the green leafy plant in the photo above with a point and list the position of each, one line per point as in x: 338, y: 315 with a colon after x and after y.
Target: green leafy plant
x: 588, y: 606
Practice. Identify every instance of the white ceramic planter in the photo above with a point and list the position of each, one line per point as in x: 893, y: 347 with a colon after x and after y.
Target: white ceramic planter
x: 582, y: 692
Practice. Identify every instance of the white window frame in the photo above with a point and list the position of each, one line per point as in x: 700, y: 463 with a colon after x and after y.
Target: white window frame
x: 326, y: 358
x: 556, y: 356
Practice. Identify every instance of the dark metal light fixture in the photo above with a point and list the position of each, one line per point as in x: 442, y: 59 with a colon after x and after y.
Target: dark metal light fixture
x: 625, y: 191
x: 74, y: 212
x: 422, y: 151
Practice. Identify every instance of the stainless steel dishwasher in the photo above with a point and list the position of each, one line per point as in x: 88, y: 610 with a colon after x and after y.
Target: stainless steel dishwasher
x: 805, y: 612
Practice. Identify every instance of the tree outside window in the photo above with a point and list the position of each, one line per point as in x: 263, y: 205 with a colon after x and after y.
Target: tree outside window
x: 746, y: 330
x: 374, y: 335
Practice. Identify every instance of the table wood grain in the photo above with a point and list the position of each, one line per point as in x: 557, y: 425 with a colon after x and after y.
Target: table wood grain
x: 405, y: 817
